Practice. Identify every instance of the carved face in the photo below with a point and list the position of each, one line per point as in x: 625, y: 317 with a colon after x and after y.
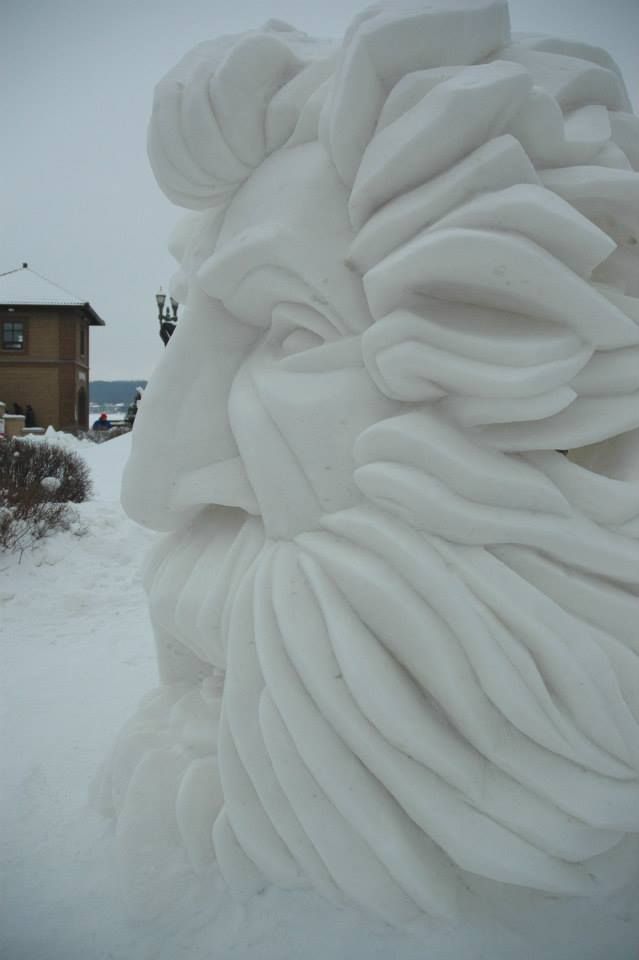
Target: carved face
x: 433, y: 667
x: 289, y: 389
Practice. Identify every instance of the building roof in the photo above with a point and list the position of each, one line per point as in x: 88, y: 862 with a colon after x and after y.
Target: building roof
x: 25, y: 287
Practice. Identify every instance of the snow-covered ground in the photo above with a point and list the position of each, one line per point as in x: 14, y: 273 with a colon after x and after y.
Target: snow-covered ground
x: 77, y: 655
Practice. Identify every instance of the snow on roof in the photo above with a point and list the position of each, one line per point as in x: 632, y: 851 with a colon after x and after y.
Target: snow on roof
x: 24, y: 286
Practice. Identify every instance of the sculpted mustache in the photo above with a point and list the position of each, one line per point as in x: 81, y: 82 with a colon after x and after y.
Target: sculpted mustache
x: 224, y: 483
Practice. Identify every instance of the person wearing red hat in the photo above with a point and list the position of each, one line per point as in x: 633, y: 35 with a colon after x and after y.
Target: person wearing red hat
x: 102, y: 423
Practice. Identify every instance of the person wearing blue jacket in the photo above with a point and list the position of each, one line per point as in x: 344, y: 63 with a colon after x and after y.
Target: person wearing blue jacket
x: 102, y: 423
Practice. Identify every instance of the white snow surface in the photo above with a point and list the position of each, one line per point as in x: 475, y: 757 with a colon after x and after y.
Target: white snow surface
x: 77, y: 656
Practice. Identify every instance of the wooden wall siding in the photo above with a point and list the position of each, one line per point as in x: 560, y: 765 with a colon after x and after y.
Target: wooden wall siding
x: 37, y: 385
x: 42, y: 342
x: 68, y: 338
x: 68, y: 418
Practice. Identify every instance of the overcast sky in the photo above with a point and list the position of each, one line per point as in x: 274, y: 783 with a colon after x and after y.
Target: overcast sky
x: 78, y: 200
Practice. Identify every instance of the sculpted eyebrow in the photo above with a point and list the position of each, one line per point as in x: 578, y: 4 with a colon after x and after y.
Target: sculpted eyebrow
x: 265, y: 245
x: 277, y: 260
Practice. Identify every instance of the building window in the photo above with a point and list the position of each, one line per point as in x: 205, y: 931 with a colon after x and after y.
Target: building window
x: 13, y: 335
x: 83, y: 340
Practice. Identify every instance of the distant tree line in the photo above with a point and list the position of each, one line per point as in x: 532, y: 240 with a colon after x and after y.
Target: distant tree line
x: 113, y: 391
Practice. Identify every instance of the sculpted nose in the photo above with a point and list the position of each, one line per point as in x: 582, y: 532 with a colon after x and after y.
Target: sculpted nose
x: 182, y: 435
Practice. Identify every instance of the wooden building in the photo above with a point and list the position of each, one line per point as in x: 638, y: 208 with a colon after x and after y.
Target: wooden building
x: 44, y: 349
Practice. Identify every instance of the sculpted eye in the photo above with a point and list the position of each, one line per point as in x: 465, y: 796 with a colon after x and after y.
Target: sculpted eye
x: 299, y: 340
x: 296, y: 328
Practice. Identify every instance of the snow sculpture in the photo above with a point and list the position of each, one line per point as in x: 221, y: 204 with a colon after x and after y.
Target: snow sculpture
x: 396, y: 626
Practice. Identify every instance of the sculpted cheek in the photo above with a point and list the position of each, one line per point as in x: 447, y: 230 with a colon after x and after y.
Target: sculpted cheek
x: 285, y: 497
x: 319, y: 417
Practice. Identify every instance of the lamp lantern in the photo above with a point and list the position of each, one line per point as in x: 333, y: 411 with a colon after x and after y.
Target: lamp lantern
x: 168, y: 316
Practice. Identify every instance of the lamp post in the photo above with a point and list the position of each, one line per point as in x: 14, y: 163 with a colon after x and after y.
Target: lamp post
x: 167, y: 318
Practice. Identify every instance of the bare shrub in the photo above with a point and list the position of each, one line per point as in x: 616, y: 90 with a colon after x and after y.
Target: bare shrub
x: 37, y: 483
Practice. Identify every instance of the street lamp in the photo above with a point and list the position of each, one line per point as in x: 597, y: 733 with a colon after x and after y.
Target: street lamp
x: 167, y: 318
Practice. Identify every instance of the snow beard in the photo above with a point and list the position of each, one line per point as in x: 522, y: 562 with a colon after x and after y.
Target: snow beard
x: 380, y: 713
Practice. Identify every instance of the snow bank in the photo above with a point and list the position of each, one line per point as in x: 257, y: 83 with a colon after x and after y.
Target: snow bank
x: 106, y: 461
